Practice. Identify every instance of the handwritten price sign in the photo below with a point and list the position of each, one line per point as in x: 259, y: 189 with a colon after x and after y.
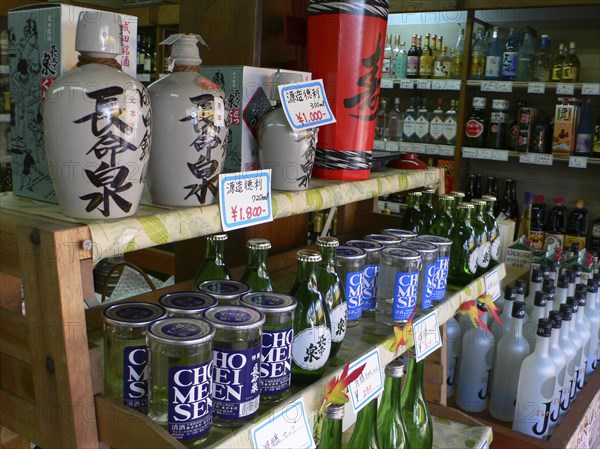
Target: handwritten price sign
x: 305, y: 104
x: 287, y: 428
x: 426, y: 331
x: 369, y: 384
x: 245, y: 199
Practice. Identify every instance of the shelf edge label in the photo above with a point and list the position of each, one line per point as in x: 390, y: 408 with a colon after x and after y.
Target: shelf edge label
x: 578, y: 161
x: 492, y: 284
x: 369, y: 384
x: 426, y: 332
x: 289, y: 427
x: 305, y: 104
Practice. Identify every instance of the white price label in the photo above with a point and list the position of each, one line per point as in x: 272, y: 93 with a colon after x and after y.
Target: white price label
x: 470, y: 152
x: 419, y: 148
x: 492, y: 284
x: 439, y: 85
x: 485, y: 153
x: 578, y: 162
x: 527, y: 158
x: 426, y: 332
x: 405, y: 147
x: 565, y: 89
x: 288, y: 428
x: 369, y: 384
x: 453, y: 85
x: 245, y: 199
x: 544, y: 159
x: 504, y: 86
x: 590, y: 89
x: 406, y: 83
x: 391, y: 146
x: 423, y: 84
x: 387, y: 83
x: 305, y: 104
x: 379, y: 144
x: 499, y: 155
x: 433, y: 149
x: 536, y: 88
x: 489, y: 86
x: 446, y: 150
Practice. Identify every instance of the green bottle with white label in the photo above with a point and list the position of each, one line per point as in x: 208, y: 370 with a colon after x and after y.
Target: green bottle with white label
x: 463, y: 262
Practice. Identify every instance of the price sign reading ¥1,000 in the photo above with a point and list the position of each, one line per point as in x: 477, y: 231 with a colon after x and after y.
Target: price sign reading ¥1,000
x: 305, y: 104
x: 369, y: 384
x: 426, y: 332
x: 245, y: 199
x: 289, y: 427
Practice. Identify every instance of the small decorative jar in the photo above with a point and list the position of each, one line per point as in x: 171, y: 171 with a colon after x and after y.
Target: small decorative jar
x: 187, y: 304
x: 226, y: 292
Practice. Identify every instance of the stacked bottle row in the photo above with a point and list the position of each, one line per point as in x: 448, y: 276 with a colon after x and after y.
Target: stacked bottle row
x: 417, y: 123
x: 419, y: 61
x: 402, y: 420
x: 534, y: 362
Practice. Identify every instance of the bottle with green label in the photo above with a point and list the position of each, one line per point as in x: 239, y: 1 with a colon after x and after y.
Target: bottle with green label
x: 412, y: 220
x: 364, y: 435
x: 331, y: 433
x: 312, y: 327
x: 331, y: 289
x: 391, y: 432
x: 427, y: 210
x: 493, y: 231
x: 415, y: 413
x: 214, y: 266
x: 443, y: 223
x: 256, y: 275
x: 463, y: 263
x: 481, y: 236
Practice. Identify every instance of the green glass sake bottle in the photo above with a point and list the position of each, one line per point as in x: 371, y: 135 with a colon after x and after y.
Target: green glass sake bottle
x: 256, y: 275
x: 213, y: 267
x: 427, y: 209
x: 492, y: 229
x: 415, y: 413
x: 332, y: 291
x: 391, y: 432
x: 312, y: 328
x: 331, y: 433
x: 412, y: 219
x: 364, y: 435
x: 481, y: 236
x: 459, y: 197
x: 444, y: 221
x: 463, y: 262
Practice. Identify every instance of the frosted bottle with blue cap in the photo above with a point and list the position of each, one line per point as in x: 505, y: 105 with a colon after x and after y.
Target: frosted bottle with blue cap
x: 535, y: 390
x: 370, y: 273
x: 350, y: 264
x: 560, y: 360
x: 190, y: 122
x: 511, y: 350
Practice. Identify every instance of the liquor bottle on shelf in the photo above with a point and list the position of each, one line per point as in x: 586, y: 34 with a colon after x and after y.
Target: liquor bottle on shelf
x: 509, y: 205
x: 542, y: 62
x: 478, y: 56
x: 593, y: 314
x: 492, y: 190
x: 560, y: 360
x: 453, y: 349
x: 436, y: 125
x: 387, y: 56
x: 535, y: 390
x: 409, y: 123
x: 481, y: 236
x: 511, y: 350
x: 476, y: 125
x: 412, y: 62
x: 401, y: 62
x: 459, y: 197
x: 450, y: 123
x: 476, y: 363
x: 415, y: 413
x: 498, y: 129
x: 331, y: 433
x: 470, y: 191
x: 426, y: 60
x: 525, y: 226
x: 395, y: 53
x: 381, y: 121
x: 442, y: 64
x: 422, y: 123
x: 562, y: 290
x: 583, y: 327
x: 443, y: 223
x: 506, y: 305
x: 434, y: 49
x: 492, y: 228
x: 364, y: 435
x: 585, y: 131
x: 556, y: 224
x: 391, y: 432
x: 577, y: 225
x: 536, y: 229
x: 537, y: 311
x: 457, y: 57
x: 213, y: 266
x: 526, y: 57
x: 427, y: 210
x: 463, y: 263
x: 312, y: 326
x: 557, y: 63
x: 412, y: 220
x: 513, y: 128
x: 595, y: 237
x: 510, y: 56
x: 440, y: 46
x: 575, y: 337
x: 256, y: 276
x: 569, y: 349
x: 535, y: 286
x: 493, y: 60
x: 395, y: 122
x: 571, y: 66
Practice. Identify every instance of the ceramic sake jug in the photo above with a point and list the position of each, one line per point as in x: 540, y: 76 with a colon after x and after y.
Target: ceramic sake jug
x: 290, y: 154
x: 97, y: 130
x: 190, y: 131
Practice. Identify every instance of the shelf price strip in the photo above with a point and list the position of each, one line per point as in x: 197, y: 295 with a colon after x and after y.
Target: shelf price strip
x: 536, y: 159
x: 287, y: 428
x: 492, y: 284
x: 536, y: 88
x: 305, y: 104
x: 590, y: 89
x: 578, y: 162
x: 245, y: 199
x: 485, y: 153
x: 387, y: 83
x: 426, y: 332
x: 370, y: 383
x: 496, y: 86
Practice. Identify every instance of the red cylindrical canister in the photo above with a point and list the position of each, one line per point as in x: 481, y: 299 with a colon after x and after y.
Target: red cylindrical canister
x: 345, y: 48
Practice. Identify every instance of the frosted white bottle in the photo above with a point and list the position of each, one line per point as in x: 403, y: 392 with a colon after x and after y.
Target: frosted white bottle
x: 511, y: 350
x: 593, y: 314
x: 535, y: 285
x: 521, y: 287
x: 500, y: 330
x: 570, y: 351
x: 535, y: 391
x: 562, y: 289
x: 539, y: 311
x: 582, y: 326
x: 552, y: 268
x: 550, y: 290
x: 453, y: 350
x: 571, y: 282
x: 476, y: 363
x: 578, y: 342
x: 560, y: 360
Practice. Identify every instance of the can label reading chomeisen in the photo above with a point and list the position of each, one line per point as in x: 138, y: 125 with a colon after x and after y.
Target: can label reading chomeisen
x: 276, y: 363
x: 135, y: 378
x: 353, y: 293
x: 369, y: 287
x: 440, y: 278
x: 236, y: 382
x: 406, y: 288
x: 430, y: 284
x: 190, y: 409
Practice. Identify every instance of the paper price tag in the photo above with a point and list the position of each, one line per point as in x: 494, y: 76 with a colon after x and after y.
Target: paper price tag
x: 387, y: 83
x: 470, y: 152
x: 453, y: 85
x: 369, y: 384
x: 504, y: 86
x: 499, y: 155
x: 544, y: 159
x: 423, y: 84
x: 405, y: 147
x: 379, y: 144
x: 446, y: 150
x: 527, y: 158
x: 406, y: 83
x: 565, y: 89
x: 439, y: 85
x: 391, y: 146
x: 489, y: 86
x: 590, y: 89
x: 305, y: 104
x: 426, y: 332
x: 578, y: 162
x: 288, y: 428
x: 419, y: 148
x: 433, y: 149
x: 485, y: 153
x: 492, y: 284
x: 245, y: 199
x: 536, y: 88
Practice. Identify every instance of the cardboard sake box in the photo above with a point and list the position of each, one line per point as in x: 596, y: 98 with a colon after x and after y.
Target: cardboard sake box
x: 41, y: 49
x: 247, y: 90
x: 565, y: 126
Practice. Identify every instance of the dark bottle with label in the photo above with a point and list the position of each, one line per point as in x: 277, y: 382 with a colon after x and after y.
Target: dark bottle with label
x: 477, y: 191
x: 509, y: 205
x: 556, y: 224
x: 541, y: 141
x: 492, y: 190
x: 577, y: 225
x: 412, y: 63
x: 470, y: 191
x: 536, y: 231
x: 498, y: 125
x: 513, y: 128
x: 476, y: 125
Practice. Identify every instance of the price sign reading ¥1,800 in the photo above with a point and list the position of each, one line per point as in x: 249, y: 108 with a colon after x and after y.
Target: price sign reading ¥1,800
x: 305, y: 104
x: 245, y: 199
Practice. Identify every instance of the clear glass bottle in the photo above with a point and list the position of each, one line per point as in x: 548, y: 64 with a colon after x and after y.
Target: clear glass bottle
x: 557, y: 63
x: 401, y: 62
x: 463, y: 262
x: 224, y: 291
x: 415, y: 413
x: 213, y: 266
x: 478, y: 56
x: 391, y: 432
x: 542, y: 62
x: 387, y: 55
x: 395, y: 122
x: 457, y: 57
x: 526, y: 57
x: 493, y: 60
x: 187, y: 304
x: 427, y: 273
x: 381, y: 121
x: 450, y: 123
x: 256, y: 276
x: 331, y: 433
